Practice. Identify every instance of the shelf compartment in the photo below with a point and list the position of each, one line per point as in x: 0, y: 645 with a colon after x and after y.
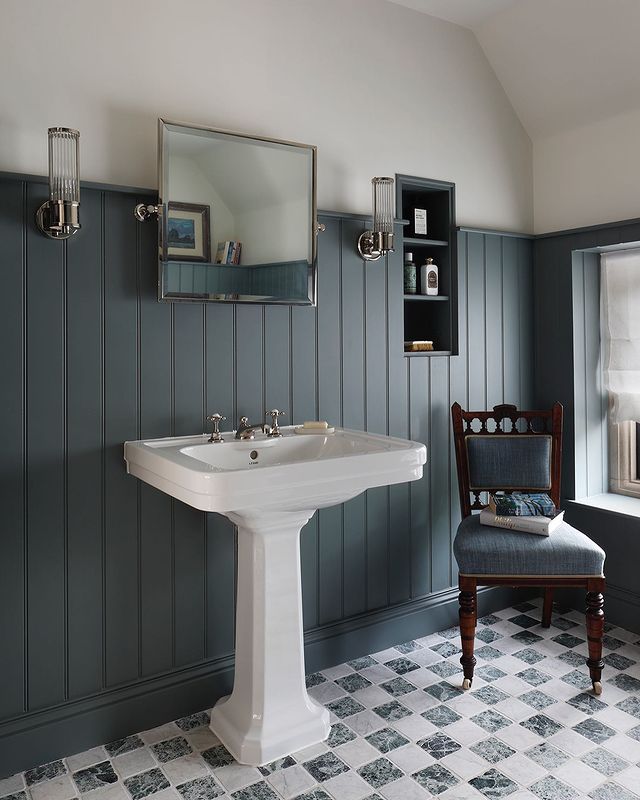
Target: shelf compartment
x: 429, y: 297
x: 428, y: 353
x: 415, y: 242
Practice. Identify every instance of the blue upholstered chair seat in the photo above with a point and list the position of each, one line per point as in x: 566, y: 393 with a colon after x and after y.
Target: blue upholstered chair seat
x: 484, y: 550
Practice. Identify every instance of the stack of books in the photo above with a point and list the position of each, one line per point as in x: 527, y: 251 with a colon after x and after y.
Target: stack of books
x: 228, y: 252
x: 530, y: 513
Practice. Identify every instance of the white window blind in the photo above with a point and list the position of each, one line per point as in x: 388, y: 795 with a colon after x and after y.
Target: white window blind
x: 620, y: 323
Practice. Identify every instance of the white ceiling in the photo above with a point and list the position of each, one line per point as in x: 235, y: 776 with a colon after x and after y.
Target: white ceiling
x: 463, y: 12
x: 562, y: 63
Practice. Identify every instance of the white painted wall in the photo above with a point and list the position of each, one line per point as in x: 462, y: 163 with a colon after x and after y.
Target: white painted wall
x: 588, y: 175
x: 378, y: 88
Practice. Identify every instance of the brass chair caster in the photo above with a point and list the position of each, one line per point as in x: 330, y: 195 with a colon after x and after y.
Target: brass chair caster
x: 466, y: 683
x: 597, y: 688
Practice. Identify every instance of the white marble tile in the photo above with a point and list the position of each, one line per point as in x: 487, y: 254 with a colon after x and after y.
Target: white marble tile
x: 185, y: 768
x: 307, y: 753
x: 580, y: 775
x: 623, y: 746
x: 337, y: 672
x: 161, y: 733
x: 418, y: 701
x: 371, y: 696
x: 521, y: 769
x: 82, y: 760
x: 378, y: 673
x: 14, y: 783
x: 202, y: 739
x: 616, y: 719
x: 236, y: 776
x: 134, y: 762
x: 464, y: 763
x: 326, y: 692
x: 410, y: 758
x: 571, y: 742
x: 357, y: 752
x: 466, y: 732
x: 518, y: 737
x: 414, y: 727
x: 404, y: 789
x: 60, y: 788
x: 291, y: 782
x: 365, y: 722
x: 629, y: 778
x: 347, y: 786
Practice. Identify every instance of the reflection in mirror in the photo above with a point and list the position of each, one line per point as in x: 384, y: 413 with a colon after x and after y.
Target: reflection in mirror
x: 238, y: 217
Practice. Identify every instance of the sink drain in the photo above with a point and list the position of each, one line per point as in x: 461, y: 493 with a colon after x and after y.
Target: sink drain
x: 253, y: 455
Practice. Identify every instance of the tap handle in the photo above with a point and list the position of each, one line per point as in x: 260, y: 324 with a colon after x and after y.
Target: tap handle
x: 274, y: 414
x: 215, y: 419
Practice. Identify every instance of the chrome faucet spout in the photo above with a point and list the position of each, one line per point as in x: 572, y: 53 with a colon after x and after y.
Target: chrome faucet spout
x: 247, y: 431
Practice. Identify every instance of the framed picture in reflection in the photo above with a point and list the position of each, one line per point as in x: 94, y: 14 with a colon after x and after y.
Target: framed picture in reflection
x: 188, y: 232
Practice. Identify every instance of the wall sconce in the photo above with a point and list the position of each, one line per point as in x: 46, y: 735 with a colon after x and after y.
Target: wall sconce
x: 58, y: 218
x: 376, y: 243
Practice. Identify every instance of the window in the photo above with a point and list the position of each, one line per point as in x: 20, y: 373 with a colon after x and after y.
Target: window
x: 620, y: 330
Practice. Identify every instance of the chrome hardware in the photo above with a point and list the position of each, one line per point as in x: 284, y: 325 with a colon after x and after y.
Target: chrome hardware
x: 142, y: 212
x: 372, y: 245
x: 247, y: 431
x: 274, y: 413
x: 320, y: 227
x: 215, y: 419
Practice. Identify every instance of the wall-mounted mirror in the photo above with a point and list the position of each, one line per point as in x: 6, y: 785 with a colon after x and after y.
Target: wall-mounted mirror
x: 237, y: 217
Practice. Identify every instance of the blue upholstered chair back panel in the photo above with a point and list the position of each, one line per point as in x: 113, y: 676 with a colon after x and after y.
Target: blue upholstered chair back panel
x: 509, y: 462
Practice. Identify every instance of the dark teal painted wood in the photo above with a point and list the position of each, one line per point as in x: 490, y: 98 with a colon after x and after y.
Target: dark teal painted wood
x: 511, y: 321
x: 121, y: 422
x: 12, y: 451
x: 494, y: 320
x: 84, y: 451
x: 419, y: 404
x: 46, y: 472
x: 156, y: 529
x: 439, y: 473
x: 148, y: 582
x: 377, y: 507
x: 352, y: 302
x: 330, y: 530
x: 220, y: 536
x: 399, y: 498
x: 189, y: 532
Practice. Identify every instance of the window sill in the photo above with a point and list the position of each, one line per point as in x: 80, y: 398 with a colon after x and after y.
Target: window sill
x: 615, y: 503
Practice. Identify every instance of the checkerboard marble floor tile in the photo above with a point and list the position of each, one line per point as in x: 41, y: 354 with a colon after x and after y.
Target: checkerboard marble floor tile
x: 402, y: 729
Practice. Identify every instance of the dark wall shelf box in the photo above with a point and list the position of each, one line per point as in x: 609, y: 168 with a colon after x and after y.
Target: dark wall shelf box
x: 437, y: 319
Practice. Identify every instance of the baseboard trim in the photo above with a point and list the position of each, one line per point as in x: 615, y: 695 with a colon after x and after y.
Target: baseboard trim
x: 42, y: 736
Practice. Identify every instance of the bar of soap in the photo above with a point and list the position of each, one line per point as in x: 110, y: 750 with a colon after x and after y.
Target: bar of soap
x: 316, y: 424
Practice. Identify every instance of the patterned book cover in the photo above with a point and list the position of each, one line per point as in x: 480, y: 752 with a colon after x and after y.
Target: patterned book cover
x: 519, y: 504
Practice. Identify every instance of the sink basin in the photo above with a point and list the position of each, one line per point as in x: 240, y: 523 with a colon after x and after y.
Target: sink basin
x: 269, y: 488
x: 290, y: 472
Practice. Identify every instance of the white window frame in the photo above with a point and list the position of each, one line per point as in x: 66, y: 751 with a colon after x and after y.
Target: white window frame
x: 623, y: 477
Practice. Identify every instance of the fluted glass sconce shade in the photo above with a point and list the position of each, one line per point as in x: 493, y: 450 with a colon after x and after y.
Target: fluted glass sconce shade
x: 59, y: 217
x: 376, y: 243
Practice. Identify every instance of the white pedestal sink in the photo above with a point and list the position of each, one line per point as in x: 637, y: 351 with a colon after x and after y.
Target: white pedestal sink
x: 270, y: 488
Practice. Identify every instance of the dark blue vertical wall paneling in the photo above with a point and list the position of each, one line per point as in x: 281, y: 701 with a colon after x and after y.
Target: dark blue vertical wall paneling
x: 116, y: 602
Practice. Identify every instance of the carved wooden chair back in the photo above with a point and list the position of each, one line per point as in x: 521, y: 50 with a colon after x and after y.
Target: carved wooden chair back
x: 506, y: 450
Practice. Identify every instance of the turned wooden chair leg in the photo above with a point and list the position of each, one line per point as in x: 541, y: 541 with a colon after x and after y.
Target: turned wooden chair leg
x: 547, y: 607
x: 595, y: 630
x: 468, y: 619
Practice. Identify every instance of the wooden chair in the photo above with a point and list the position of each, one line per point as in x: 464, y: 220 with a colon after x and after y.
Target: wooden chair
x: 510, y: 450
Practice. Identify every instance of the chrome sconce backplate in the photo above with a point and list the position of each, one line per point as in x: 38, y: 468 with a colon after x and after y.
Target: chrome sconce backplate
x: 372, y: 245
x: 142, y: 212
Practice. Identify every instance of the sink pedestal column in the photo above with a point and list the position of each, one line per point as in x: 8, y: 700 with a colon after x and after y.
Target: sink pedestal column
x: 269, y: 713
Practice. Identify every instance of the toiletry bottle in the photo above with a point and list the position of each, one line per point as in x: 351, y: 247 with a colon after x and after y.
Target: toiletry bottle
x: 429, y: 277
x: 410, y: 275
